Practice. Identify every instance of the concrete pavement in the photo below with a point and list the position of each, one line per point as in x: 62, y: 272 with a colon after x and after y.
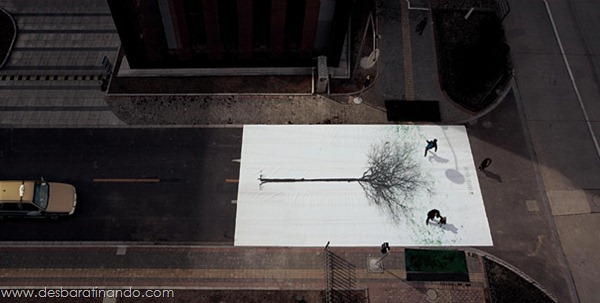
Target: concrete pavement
x: 196, y: 268
x: 559, y: 90
x: 541, y: 192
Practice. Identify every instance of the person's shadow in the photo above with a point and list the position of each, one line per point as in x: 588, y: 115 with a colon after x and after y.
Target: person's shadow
x: 437, y: 158
x: 492, y: 175
x: 449, y: 227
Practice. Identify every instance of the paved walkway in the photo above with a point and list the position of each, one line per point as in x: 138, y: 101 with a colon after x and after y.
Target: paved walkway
x: 189, y: 268
x: 559, y: 90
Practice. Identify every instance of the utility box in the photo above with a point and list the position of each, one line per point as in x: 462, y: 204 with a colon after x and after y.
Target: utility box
x: 322, y: 79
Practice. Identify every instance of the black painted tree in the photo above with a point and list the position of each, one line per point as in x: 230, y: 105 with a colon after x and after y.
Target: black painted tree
x: 391, y: 180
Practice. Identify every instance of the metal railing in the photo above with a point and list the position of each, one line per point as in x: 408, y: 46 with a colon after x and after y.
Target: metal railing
x: 340, y: 278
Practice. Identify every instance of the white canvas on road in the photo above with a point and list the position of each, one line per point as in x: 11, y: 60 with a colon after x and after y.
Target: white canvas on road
x: 280, y: 204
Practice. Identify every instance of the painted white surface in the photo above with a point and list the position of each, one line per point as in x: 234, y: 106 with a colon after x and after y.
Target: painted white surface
x: 312, y: 213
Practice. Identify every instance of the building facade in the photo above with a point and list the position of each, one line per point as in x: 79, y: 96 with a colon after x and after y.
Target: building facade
x: 231, y: 33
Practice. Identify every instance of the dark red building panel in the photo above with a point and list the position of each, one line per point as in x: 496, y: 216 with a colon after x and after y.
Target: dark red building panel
x: 244, y: 10
x: 152, y: 33
x: 213, y: 35
x: 182, y: 34
x: 309, y: 31
x: 277, y: 28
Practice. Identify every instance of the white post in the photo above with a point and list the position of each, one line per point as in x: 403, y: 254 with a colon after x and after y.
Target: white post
x: 469, y: 13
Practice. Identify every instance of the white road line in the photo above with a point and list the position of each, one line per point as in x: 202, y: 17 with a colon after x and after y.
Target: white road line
x: 125, y: 180
x: 562, y: 51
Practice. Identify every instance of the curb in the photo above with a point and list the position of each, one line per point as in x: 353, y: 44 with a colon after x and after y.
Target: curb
x: 475, y: 115
x: 12, y: 43
x: 512, y: 268
x: 493, y: 106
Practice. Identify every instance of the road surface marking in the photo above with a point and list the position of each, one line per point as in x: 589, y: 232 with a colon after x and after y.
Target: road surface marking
x: 575, y: 88
x: 126, y: 180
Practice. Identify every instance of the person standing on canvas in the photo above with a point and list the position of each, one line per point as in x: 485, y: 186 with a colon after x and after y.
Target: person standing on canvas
x: 431, y: 145
x: 485, y: 163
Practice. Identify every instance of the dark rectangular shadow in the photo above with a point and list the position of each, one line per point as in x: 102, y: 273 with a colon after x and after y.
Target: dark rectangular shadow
x: 412, y: 111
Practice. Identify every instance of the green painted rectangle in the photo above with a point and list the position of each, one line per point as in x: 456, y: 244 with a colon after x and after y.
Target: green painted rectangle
x: 436, y: 261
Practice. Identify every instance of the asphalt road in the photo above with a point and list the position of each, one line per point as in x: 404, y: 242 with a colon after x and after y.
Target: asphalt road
x: 167, y: 185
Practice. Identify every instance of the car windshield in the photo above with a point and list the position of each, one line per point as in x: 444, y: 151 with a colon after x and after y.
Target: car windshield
x: 40, y: 194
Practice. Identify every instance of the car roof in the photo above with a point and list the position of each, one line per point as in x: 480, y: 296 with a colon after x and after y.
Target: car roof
x: 9, y: 191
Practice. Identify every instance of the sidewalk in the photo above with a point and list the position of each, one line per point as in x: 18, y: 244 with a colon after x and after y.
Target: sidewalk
x: 559, y: 92
x: 189, y: 270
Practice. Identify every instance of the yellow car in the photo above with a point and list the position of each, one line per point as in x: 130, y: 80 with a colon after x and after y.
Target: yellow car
x: 36, y: 199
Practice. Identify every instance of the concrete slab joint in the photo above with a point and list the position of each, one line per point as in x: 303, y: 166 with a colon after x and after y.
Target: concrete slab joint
x: 532, y: 205
x: 568, y: 202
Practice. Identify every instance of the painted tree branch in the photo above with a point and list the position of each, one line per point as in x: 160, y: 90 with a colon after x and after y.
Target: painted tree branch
x: 394, y: 176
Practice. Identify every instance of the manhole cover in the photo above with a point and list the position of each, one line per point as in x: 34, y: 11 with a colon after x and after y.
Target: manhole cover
x: 432, y: 295
x: 374, y: 265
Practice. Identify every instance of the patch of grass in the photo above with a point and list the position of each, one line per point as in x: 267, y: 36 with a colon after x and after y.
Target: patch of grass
x: 472, y: 55
x: 437, y: 261
x: 507, y: 286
